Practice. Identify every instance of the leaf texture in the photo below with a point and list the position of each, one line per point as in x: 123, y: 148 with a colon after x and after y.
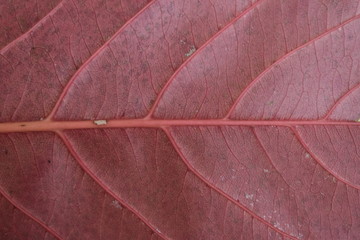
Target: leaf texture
x: 17, y: 17
x: 216, y: 119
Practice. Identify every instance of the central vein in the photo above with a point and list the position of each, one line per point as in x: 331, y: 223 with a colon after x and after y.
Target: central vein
x: 50, y: 125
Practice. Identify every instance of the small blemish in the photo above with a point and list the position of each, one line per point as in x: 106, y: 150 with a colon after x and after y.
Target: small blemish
x: 358, y: 120
x: 191, y: 51
x: 23, y: 125
x: 100, y: 122
x: 277, y: 225
x: 49, y: 161
x: 249, y: 196
x: 116, y: 204
x: 6, y: 152
x: 307, y: 155
x: 266, y: 170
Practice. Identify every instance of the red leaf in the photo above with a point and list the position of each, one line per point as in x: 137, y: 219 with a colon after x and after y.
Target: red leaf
x: 180, y: 120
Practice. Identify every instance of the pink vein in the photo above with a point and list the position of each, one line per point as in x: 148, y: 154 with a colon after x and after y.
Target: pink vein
x: 27, y: 213
x: 103, y: 185
x: 248, y: 87
x: 153, y: 108
x: 24, y: 35
x: 222, y: 193
x: 323, y: 165
x: 342, y: 98
x: 68, y: 85
x: 46, y: 125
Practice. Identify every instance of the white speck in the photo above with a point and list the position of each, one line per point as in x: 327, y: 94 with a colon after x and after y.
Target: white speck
x: 249, y: 196
x: 266, y: 170
x: 191, y: 51
x: 278, y: 226
x: 182, y: 41
x: 233, y: 177
x: 158, y: 230
x: 301, y: 235
x: 251, y: 204
x: 100, y: 122
x: 307, y: 155
x: 41, y: 119
x: 116, y: 204
x: 222, y: 178
x: 334, y: 179
x: 233, y: 169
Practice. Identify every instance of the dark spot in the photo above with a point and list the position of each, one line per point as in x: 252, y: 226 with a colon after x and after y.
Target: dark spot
x: 6, y: 152
x: 144, y: 67
x: 49, y: 161
x: 23, y: 125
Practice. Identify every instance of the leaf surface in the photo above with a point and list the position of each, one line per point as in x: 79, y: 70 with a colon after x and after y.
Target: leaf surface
x: 190, y: 119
